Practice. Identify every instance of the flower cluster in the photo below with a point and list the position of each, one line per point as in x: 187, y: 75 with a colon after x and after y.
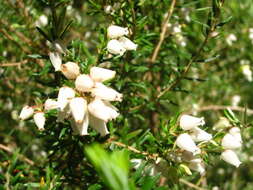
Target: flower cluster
x: 87, y: 104
x: 118, y: 43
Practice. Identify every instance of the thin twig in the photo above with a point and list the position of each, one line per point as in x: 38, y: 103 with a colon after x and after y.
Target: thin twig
x: 22, y: 157
x: 189, y: 184
x: 163, y: 31
x: 13, y: 64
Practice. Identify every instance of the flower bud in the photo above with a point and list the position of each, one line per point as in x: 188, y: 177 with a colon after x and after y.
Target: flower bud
x: 42, y: 21
x: 99, y: 109
x: 222, y: 124
x: 64, y: 95
x: 236, y: 132
x: 100, y: 74
x: 99, y: 125
x: 84, y: 83
x: 185, y: 142
x: 115, y: 47
x: 230, y: 157
x: 78, y: 107
x: 197, y: 165
x: 188, y: 122
x: 105, y: 93
x: 199, y: 135
x: 26, y: 112
x: 39, y: 119
x: 114, y: 31
x: 50, y: 104
x: 230, y: 142
x: 70, y: 70
x: 56, y: 60
x: 127, y: 44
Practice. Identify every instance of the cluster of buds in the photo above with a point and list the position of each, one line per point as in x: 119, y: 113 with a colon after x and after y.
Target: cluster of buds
x: 187, y: 141
x: 87, y: 104
x: 118, y: 43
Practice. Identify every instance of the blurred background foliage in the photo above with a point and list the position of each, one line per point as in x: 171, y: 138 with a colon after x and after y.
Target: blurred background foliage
x: 218, y: 78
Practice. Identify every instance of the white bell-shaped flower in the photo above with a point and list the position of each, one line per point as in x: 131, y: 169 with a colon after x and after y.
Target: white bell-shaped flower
x: 230, y: 142
x: 42, y: 21
x: 197, y: 165
x: 65, y: 94
x: 100, y: 74
x: 70, y: 70
x: 82, y: 127
x: 56, y: 60
x: 236, y: 132
x: 105, y: 93
x: 78, y: 107
x: 230, y: 157
x: 63, y: 114
x: 185, y: 142
x: 26, y: 112
x: 115, y: 47
x: 50, y: 104
x: 84, y: 83
x: 39, y: 120
x: 99, y: 109
x: 114, y: 31
x: 222, y: 124
x: 188, y: 122
x: 199, y: 135
x: 127, y: 44
x: 99, y: 125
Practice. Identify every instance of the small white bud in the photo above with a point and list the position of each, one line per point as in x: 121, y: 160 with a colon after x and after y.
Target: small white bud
x: 185, y: 142
x: 59, y: 47
x: 70, y: 70
x: 56, y: 60
x: 26, y: 112
x: 101, y: 110
x: 197, y: 165
x: 100, y: 74
x: 199, y: 135
x: 230, y: 157
x: 42, y: 21
x: 127, y: 44
x: 78, y: 107
x: 114, y: 31
x: 105, y: 93
x: 230, y: 142
x: 222, y: 124
x: 64, y: 95
x: 188, y: 122
x: 84, y: 83
x: 50, y: 104
x: 99, y: 125
x: 236, y: 132
x: 39, y: 120
x: 115, y: 47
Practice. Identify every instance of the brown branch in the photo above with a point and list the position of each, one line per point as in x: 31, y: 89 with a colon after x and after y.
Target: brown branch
x: 22, y: 157
x: 189, y: 184
x: 13, y: 64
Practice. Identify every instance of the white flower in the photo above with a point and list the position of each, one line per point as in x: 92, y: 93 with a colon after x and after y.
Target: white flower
x: 100, y: 74
x: 222, y: 124
x: 82, y: 128
x: 247, y: 72
x: 236, y: 100
x: 62, y: 114
x: 127, y: 44
x: 42, y: 21
x: 26, y: 112
x: 115, y: 47
x: 59, y: 47
x: 114, y: 31
x: 56, y: 60
x: 199, y: 135
x: 236, y: 132
x: 70, y: 70
x: 102, y: 110
x: 188, y: 122
x: 230, y: 39
x: 230, y: 157
x: 99, y: 125
x: 84, y: 83
x: 185, y: 142
x: 39, y: 119
x: 64, y: 95
x: 230, y: 142
x: 105, y: 93
x: 50, y: 104
x: 78, y: 107
x: 197, y: 165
